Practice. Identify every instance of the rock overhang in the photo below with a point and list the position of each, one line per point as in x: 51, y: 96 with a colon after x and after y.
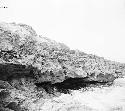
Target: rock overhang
x: 33, y: 67
x: 50, y: 60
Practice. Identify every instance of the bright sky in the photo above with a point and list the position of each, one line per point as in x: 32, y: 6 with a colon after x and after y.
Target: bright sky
x: 93, y: 26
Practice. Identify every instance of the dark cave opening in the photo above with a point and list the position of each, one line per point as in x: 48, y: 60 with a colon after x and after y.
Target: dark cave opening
x: 69, y: 84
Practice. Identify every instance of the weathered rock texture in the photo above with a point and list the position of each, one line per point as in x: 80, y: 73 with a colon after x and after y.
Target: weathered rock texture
x: 22, y: 51
x: 28, y: 60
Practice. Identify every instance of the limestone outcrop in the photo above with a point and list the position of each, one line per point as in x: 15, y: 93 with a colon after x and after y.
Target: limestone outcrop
x: 23, y: 52
x: 32, y: 65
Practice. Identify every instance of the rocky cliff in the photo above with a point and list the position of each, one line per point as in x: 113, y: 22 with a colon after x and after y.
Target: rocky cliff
x: 30, y: 63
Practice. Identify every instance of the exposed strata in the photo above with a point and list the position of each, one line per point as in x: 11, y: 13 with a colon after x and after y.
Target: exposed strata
x: 32, y: 66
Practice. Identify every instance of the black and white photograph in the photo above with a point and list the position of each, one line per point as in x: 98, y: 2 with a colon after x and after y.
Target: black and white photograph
x: 62, y: 55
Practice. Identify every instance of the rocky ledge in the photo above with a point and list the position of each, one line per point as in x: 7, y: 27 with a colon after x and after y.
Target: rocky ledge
x: 32, y: 66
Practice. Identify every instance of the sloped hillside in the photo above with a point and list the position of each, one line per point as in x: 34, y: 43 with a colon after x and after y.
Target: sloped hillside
x: 34, y: 68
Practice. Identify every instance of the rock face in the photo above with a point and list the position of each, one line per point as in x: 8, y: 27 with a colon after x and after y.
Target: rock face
x: 23, y: 52
x: 29, y: 61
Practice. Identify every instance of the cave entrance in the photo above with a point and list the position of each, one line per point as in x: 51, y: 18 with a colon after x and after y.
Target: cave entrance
x: 69, y: 84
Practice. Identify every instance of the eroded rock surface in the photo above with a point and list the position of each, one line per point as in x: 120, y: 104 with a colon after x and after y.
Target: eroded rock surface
x: 20, y: 45
x: 33, y: 67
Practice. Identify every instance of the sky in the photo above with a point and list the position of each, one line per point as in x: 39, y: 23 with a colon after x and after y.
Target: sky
x: 92, y: 26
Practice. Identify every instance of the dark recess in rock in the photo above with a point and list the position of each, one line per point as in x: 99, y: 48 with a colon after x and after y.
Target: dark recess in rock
x: 4, y: 94
x: 4, y: 109
x: 11, y: 71
x: 14, y: 106
x: 69, y: 84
